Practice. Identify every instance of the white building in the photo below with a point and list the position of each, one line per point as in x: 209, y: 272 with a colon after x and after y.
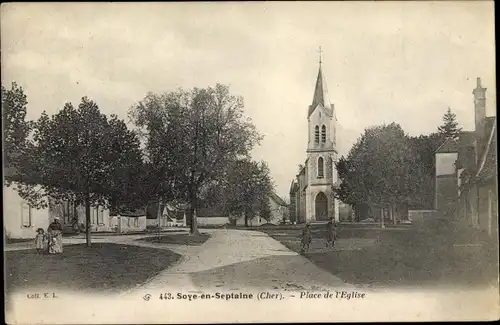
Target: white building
x: 20, y: 220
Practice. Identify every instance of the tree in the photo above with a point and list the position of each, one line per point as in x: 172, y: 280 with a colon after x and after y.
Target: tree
x: 423, y: 169
x: 15, y: 127
x: 247, y: 188
x: 81, y: 156
x: 449, y: 128
x: 192, y: 136
x: 377, y: 170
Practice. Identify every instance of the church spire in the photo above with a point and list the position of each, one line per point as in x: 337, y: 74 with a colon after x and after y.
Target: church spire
x: 320, y: 56
x: 321, y: 91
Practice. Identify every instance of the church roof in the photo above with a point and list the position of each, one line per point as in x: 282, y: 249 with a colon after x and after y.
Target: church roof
x: 449, y: 145
x: 321, y: 95
x: 277, y: 199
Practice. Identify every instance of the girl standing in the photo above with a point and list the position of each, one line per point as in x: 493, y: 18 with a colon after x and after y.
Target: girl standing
x: 40, y: 241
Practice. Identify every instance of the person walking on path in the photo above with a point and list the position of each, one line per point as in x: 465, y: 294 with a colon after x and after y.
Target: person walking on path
x: 331, y: 234
x: 306, y: 238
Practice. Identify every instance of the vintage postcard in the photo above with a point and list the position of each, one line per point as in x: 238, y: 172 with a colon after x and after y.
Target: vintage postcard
x: 199, y: 162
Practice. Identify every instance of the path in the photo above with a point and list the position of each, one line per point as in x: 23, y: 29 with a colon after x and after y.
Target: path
x: 228, y: 260
x: 115, y: 239
x: 243, y: 260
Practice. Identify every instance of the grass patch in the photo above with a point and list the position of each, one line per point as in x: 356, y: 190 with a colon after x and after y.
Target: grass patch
x: 397, y: 258
x: 178, y: 239
x: 109, y: 267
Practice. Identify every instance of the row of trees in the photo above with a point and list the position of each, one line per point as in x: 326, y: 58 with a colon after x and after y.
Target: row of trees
x: 386, y: 168
x: 180, y: 151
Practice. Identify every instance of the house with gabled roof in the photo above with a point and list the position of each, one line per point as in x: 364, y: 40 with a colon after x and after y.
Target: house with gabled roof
x: 466, y: 172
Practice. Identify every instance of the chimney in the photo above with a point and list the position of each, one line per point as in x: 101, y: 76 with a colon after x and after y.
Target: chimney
x: 479, y: 107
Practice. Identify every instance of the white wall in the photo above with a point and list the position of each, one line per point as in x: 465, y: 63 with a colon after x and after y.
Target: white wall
x: 154, y: 222
x: 130, y: 224
x: 212, y: 221
x: 445, y: 163
x: 254, y: 222
x: 19, y: 220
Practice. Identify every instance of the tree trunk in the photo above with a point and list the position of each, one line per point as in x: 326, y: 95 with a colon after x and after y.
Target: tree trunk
x: 87, y: 220
x: 246, y: 219
x: 194, y: 222
x: 158, y: 216
x: 382, y: 217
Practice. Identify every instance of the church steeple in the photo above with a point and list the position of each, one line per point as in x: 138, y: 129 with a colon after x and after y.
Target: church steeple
x: 321, y: 91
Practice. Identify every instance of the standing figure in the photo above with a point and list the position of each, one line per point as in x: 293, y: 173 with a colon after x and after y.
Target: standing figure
x: 306, y: 238
x: 55, y: 237
x: 331, y: 233
x: 40, y: 241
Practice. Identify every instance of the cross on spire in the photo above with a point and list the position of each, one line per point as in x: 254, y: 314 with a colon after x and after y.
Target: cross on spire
x: 320, y: 51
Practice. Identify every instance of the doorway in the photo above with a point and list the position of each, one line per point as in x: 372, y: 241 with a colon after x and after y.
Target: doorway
x: 321, y: 205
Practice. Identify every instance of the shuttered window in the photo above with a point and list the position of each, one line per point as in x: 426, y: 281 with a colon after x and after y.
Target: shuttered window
x: 100, y: 217
x: 26, y: 215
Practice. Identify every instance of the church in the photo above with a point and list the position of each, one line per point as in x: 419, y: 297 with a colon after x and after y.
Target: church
x: 311, y: 192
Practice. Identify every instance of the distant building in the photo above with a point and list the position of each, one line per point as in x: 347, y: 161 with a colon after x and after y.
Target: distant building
x: 102, y: 219
x: 20, y: 220
x: 311, y: 191
x: 466, y: 172
x: 170, y: 216
x: 279, y: 209
x: 346, y: 212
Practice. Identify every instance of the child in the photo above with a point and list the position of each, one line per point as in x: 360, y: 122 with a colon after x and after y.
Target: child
x: 40, y: 241
x: 331, y: 233
x: 306, y: 238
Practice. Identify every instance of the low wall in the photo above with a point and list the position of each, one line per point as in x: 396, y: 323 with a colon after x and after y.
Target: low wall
x: 212, y: 221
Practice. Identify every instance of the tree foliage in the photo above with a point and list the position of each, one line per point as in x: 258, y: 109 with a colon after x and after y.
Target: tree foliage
x: 191, y: 137
x: 15, y: 127
x: 386, y: 168
x: 424, y: 148
x: 449, y: 128
x: 377, y: 170
x: 80, y: 155
x: 247, y: 188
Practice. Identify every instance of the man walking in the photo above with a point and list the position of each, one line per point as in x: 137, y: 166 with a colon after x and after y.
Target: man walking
x: 331, y: 234
x: 306, y: 238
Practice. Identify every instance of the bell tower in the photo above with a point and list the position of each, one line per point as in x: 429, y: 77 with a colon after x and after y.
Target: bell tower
x: 321, y: 154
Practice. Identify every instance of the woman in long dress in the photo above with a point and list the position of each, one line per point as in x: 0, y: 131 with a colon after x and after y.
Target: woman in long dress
x: 55, y: 237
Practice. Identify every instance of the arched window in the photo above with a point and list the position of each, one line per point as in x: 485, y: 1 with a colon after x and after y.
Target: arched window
x: 321, y: 168
x: 316, y: 134
x: 323, y: 134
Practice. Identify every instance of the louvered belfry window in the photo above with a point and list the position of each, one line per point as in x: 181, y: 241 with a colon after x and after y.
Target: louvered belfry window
x: 321, y: 168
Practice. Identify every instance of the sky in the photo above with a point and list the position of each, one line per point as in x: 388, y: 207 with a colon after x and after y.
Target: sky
x: 403, y: 62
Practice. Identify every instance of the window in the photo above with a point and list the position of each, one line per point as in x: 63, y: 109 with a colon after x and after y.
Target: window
x: 316, y: 134
x: 321, y: 168
x: 66, y: 211
x: 323, y: 134
x: 136, y: 222
x: 100, y: 215
x: 129, y: 223
x: 93, y: 216
x: 26, y: 215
